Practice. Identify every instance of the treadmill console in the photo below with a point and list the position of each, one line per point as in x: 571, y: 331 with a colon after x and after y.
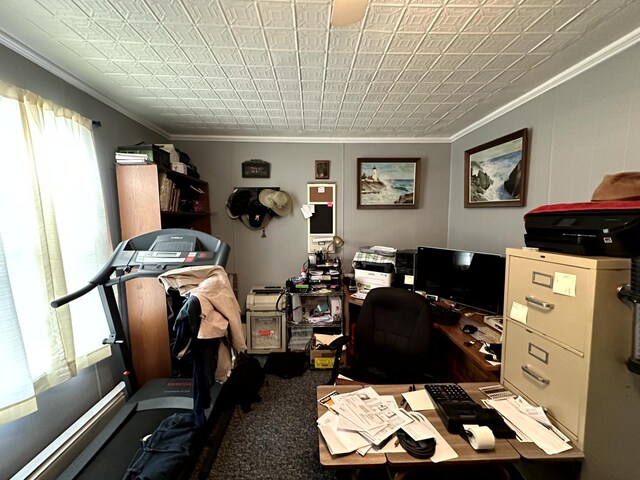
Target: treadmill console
x: 164, y: 258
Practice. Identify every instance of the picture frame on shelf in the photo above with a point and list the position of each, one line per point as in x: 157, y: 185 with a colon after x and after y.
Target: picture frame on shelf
x: 388, y: 183
x: 323, y: 169
x: 496, y: 172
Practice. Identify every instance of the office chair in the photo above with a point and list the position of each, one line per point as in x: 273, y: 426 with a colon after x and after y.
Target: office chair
x: 392, y: 340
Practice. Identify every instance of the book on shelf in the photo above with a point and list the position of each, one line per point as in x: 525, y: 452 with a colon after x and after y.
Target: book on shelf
x: 165, y: 192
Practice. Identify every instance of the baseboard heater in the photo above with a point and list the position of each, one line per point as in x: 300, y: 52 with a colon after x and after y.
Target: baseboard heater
x: 49, y: 463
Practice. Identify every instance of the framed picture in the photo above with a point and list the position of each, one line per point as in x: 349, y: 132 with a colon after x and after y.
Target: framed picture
x: 323, y: 169
x: 256, y: 169
x: 496, y: 172
x: 388, y: 182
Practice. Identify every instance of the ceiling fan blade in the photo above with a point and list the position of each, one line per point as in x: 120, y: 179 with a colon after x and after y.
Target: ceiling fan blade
x: 346, y: 12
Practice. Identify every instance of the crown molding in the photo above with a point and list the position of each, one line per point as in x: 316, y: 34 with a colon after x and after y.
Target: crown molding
x: 308, y: 139
x: 591, y: 61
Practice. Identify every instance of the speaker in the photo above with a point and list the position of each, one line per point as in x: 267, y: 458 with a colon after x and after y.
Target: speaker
x: 405, y: 269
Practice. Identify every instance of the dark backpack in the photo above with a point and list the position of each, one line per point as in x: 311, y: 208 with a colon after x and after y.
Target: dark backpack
x: 245, y: 381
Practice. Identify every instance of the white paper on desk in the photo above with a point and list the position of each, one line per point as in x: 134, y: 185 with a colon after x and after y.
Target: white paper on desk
x: 543, y: 437
x: 418, y: 400
x: 357, y: 408
x: 339, y: 441
x: 538, y: 414
x: 417, y: 429
x: 386, y: 409
x: 443, y: 449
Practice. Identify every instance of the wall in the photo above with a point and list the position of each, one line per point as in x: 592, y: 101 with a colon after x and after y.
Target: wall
x: 281, y: 254
x: 61, y: 406
x: 580, y: 131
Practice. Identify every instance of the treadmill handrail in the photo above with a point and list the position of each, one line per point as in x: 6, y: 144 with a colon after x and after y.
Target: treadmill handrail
x: 101, y: 278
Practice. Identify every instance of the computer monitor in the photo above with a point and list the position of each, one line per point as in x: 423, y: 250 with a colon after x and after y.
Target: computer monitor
x: 472, y: 279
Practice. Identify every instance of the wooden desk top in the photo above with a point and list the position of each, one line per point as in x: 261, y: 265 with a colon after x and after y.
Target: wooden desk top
x: 455, y: 334
x: 505, y: 450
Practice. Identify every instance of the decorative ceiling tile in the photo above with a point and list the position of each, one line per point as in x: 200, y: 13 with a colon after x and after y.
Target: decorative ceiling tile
x: 419, y: 19
x: 521, y: 18
x: 203, y: 12
x: 276, y: 14
x: 282, y: 39
x: 248, y: 38
x: 240, y: 13
x: 453, y: 19
x: 374, y: 42
x: 411, y: 67
x: 436, y: 43
x: 387, y: 75
x: 487, y: 19
x: 217, y: 37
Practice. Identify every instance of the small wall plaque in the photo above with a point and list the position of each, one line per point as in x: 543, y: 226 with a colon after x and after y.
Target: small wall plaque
x: 256, y: 169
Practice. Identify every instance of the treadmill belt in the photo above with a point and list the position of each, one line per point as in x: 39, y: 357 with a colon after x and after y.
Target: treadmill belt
x: 114, y: 458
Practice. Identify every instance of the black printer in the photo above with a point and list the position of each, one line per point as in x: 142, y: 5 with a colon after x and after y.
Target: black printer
x: 590, y: 228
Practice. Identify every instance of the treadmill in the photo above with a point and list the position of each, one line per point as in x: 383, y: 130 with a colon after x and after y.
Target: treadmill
x: 109, y: 454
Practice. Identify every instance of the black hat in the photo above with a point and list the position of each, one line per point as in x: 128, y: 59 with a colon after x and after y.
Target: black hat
x: 256, y: 217
x: 238, y: 202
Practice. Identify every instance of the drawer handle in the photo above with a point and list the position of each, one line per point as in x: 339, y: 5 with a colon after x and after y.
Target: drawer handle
x: 531, y: 373
x: 540, y: 303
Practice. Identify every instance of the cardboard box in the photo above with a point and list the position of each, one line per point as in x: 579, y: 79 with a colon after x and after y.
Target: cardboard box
x: 323, y: 359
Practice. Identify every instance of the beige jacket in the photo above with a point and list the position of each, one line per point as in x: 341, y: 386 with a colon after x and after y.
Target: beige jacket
x: 220, y: 316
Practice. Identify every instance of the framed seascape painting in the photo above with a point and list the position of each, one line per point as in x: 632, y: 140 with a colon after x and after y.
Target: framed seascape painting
x: 496, y: 172
x: 388, y: 182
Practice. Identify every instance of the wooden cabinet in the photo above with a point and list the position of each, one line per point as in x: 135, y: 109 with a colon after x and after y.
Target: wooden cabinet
x: 567, y: 338
x: 151, y: 198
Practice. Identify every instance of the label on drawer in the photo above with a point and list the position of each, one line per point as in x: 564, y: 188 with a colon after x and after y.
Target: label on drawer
x: 519, y: 312
x: 564, y: 284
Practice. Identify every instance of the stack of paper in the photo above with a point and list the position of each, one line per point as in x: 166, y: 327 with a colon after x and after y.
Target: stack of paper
x: 531, y: 424
x: 365, y: 422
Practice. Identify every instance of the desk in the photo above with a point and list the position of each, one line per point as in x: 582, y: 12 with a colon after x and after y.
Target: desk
x: 464, y: 363
x: 398, y: 464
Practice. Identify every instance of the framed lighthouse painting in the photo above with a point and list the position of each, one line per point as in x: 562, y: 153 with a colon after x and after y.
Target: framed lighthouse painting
x: 388, y: 183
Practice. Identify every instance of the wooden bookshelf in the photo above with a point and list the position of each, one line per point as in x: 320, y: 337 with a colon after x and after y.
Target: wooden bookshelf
x: 143, y: 210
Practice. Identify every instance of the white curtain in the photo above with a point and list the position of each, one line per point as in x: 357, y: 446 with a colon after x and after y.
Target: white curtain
x: 53, y: 239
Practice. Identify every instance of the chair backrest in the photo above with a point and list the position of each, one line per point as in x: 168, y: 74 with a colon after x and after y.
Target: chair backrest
x: 393, y: 334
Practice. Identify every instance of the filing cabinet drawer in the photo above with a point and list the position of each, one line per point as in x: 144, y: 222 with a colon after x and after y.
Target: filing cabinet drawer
x: 545, y: 373
x: 562, y: 317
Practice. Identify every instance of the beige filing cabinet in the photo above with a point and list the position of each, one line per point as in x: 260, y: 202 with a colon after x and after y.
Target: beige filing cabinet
x: 567, y: 339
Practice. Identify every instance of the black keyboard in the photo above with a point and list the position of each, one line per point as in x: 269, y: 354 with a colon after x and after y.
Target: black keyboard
x: 447, y: 392
x: 456, y: 408
x: 444, y: 315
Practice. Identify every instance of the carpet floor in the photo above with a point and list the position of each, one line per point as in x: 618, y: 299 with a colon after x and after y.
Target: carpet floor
x: 278, y: 438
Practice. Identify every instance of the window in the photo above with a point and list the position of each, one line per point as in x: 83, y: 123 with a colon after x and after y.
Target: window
x: 53, y: 239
